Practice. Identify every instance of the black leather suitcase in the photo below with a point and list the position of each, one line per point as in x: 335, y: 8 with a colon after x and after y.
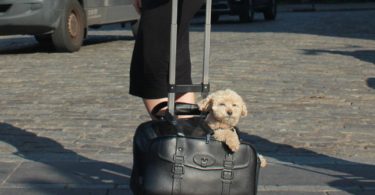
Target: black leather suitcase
x: 178, y: 157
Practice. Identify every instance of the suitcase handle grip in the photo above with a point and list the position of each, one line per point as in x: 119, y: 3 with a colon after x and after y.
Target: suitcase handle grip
x: 202, y: 88
x: 180, y: 109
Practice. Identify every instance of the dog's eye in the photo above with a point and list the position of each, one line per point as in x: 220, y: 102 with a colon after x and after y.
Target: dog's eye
x: 221, y: 104
x: 234, y: 105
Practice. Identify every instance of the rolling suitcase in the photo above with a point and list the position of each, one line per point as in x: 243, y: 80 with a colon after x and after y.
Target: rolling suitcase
x: 177, y: 156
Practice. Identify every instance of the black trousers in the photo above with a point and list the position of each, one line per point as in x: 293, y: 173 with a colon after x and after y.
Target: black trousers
x: 149, y: 71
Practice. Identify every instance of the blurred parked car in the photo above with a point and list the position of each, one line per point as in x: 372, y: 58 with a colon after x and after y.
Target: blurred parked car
x: 62, y: 23
x: 245, y: 9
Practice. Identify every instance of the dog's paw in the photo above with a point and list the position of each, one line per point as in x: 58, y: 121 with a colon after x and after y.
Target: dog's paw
x: 263, y: 161
x: 233, y: 144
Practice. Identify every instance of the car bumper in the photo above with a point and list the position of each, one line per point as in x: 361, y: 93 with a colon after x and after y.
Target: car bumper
x: 29, y: 16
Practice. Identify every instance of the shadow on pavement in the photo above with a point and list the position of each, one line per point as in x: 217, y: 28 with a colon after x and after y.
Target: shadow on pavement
x: 28, y: 45
x: 371, y: 82
x: 363, y: 55
x: 307, y: 166
x: 99, y: 39
x: 76, y: 171
x: 346, y: 24
x: 21, y: 45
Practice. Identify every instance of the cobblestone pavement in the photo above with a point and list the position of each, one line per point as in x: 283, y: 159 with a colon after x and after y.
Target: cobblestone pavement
x: 67, y: 121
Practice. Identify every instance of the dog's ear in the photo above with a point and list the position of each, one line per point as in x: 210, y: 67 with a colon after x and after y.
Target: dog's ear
x: 205, y: 104
x: 244, y: 109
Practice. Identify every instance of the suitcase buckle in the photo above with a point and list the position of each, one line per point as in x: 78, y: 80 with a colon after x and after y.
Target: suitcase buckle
x: 178, y: 169
x: 178, y: 159
x: 228, y: 164
x: 227, y: 175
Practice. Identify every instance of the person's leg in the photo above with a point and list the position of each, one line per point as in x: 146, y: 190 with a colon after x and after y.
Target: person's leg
x: 151, y: 103
x: 186, y: 98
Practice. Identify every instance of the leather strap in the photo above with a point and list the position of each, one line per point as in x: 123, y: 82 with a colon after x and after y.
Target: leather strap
x: 227, y: 174
x: 178, y: 166
x: 226, y: 188
x: 157, y: 108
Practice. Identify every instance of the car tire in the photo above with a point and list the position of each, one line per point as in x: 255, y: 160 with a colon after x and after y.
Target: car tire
x: 247, y: 12
x: 271, y: 11
x: 70, y: 32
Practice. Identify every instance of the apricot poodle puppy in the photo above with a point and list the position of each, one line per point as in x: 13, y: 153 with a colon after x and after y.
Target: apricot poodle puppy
x: 225, y: 108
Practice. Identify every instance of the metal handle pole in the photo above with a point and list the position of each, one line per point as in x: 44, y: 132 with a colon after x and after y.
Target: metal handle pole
x: 207, y: 37
x: 172, y: 61
x: 173, y: 52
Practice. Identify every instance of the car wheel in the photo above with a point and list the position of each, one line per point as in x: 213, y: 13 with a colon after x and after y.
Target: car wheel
x: 271, y: 11
x: 69, y: 34
x: 247, y: 12
x: 134, y: 27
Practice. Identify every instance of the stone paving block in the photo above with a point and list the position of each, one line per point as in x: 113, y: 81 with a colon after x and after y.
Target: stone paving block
x: 6, y: 170
x: 70, y: 173
x: 47, y: 191
x: 352, y: 193
x: 336, y: 176
x: 307, y: 79
x: 291, y: 193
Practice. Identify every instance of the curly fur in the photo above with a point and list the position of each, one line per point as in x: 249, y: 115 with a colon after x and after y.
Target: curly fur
x: 225, y: 108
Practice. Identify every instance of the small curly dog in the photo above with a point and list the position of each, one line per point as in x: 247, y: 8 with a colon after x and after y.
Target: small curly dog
x: 225, y: 108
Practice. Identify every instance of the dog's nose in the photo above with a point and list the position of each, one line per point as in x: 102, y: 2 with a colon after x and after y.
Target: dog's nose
x: 229, y: 112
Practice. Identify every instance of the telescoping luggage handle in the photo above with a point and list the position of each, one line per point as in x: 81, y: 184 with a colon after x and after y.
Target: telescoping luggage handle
x: 204, y: 86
